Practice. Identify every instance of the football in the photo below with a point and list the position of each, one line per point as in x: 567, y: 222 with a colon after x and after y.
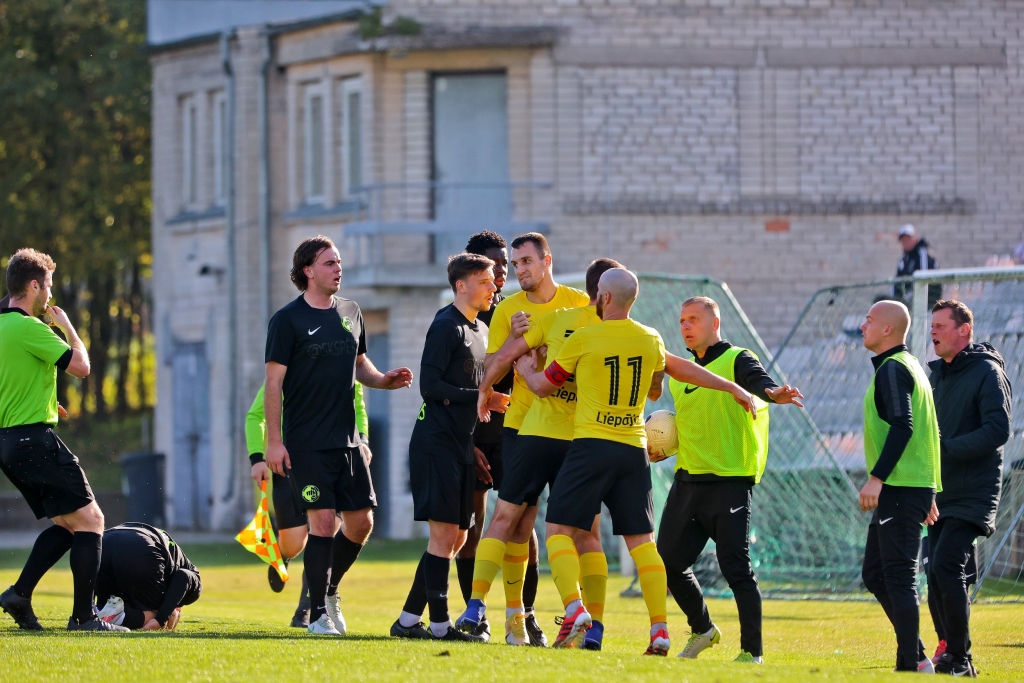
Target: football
x: 662, y: 438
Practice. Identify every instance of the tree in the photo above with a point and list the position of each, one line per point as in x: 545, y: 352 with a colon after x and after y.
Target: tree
x: 75, y: 176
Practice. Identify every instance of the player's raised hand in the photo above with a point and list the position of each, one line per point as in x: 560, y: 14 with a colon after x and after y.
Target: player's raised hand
x: 785, y: 394
x: 260, y: 472
x: 482, y: 401
x: 498, y: 402
x: 483, y: 466
x: 520, y: 324
x: 745, y: 399
x: 59, y: 317
x: 399, y: 378
x: 278, y: 459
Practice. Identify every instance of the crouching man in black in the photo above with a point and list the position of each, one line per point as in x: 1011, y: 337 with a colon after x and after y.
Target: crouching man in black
x: 972, y: 401
x: 145, y: 579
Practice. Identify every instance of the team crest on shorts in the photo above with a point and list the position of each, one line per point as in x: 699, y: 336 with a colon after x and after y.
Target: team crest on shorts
x: 346, y: 323
x: 310, y: 494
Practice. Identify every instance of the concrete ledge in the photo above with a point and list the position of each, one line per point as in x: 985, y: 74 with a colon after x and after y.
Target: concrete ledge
x: 893, y: 57
x: 598, y: 56
x: 770, y: 206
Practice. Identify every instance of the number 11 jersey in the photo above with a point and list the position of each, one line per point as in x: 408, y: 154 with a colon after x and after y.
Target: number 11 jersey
x: 614, y: 363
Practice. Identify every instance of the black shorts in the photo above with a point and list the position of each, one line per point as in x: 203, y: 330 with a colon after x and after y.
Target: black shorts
x: 533, y: 465
x: 599, y: 471
x: 442, y: 488
x: 48, y: 474
x: 493, y: 452
x: 336, y: 479
x: 286, y: 508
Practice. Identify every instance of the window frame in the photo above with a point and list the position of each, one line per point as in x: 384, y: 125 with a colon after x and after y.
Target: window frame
x: 189, y: 109
x: 219, y: 104
x: 310, y: 92
x: 352, y: 85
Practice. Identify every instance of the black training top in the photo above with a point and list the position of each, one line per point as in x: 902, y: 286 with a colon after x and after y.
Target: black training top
x: 894, y: 389
x: 491, y: 432
x: 450, y: 372
x: 319, y: 346
x: 180, y: 582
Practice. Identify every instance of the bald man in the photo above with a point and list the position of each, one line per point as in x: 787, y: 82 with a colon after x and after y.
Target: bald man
x: 618, y: 364
x: 901, y: 449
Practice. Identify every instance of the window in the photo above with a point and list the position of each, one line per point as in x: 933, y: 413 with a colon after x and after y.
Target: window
x: 315, y: 152
x: 189, y: 118
x: 220, y: 150
x: 351, y: 134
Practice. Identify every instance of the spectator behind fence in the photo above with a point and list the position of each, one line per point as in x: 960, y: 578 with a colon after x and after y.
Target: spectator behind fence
x: 915, y: 257
x: 972, y: 402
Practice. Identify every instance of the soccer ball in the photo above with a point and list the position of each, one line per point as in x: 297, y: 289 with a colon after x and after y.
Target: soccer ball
x: 662, y: 438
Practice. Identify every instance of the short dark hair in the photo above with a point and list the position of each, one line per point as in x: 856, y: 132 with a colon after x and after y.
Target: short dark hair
x: 305, y: 255
x: 958, y: 310
x: 706, y: 301
x: 538, y: 240
x: 595, y: 270
x: 461, y: 266
x: 482, y: 241
x: 25, y: 266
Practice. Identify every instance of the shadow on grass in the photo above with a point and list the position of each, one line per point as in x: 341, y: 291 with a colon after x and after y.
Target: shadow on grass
x: 228, y: 554
x: 196, y: 635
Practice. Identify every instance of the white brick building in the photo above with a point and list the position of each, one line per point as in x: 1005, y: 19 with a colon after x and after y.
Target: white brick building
x: 773, y: 144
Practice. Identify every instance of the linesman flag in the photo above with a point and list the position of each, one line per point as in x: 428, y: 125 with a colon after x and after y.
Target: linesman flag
x: 258, y: 536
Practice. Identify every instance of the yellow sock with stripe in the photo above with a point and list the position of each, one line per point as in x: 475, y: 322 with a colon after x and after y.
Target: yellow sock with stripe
x: 489, y: 556
x: 594, y: 582
x: 513, y: 568
x: 565, y: 567
x: 653, y: 580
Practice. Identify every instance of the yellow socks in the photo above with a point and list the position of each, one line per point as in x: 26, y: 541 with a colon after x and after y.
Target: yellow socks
x: 489, y: 555
x: 565, y: 567
x: 653, y: 580
x: 513, y: 568
x: 594, y: 581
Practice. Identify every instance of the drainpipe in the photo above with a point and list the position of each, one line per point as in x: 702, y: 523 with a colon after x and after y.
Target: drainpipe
x: 232, y: 272
x: 264, y: 190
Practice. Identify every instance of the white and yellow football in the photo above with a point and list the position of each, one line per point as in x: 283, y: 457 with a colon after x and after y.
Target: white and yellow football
x: 662, y: 438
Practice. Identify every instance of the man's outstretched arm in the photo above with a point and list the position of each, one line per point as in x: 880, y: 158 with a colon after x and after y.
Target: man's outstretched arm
x: 686, y: 371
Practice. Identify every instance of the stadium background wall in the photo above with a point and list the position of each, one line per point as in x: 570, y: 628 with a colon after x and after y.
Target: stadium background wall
x: 775, y: 148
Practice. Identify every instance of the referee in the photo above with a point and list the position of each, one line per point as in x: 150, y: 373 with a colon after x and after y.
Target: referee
x: 145, y: 578
x: 442, y: 470
x: 316, y: 350
x: 901, y: 448
x: 722, y: 454
x: 32, y: 456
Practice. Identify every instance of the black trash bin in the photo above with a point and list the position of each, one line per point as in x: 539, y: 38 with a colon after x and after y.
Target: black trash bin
x: 142, y: 483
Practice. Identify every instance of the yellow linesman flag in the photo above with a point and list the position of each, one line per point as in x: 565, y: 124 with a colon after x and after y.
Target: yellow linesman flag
x: 258, y: 536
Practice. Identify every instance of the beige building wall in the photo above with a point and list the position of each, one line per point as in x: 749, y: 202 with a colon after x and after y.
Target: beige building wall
x: 775, y: 146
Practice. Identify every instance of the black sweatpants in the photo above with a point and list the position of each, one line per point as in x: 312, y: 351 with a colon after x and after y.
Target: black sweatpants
x: 720, y: 511
x: 890, y: 565
x: 951, y: 547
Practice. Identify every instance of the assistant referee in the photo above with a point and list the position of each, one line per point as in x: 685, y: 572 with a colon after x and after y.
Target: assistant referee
x: 36, y: 461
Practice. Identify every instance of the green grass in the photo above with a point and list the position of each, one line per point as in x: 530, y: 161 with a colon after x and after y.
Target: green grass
x: 238, y: 631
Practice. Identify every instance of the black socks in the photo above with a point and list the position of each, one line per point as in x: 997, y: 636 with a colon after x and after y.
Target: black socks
x: 464, y: 568
x: 86, y: 548
x: 435, y: 574
x: 345, y: 553
x: 134, y: 618
x: 530, y: 586
x: 416, y: 602
x: 304, y: 598
x: 50, y: 546
x: 317, y: 559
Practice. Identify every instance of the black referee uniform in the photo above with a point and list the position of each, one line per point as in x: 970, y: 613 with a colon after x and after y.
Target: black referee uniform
x: 442, y: 473
x: 144, y: 567
x: 488, y: 435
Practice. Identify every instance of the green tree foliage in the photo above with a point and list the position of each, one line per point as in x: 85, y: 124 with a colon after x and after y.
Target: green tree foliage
x: 75, y: 178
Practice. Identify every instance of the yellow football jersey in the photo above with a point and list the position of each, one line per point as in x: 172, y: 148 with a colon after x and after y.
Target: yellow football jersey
x: 552, y: 417
x: 501, y: 327
x: 614, y: 363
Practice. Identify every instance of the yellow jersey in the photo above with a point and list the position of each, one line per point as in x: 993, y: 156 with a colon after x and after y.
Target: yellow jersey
x: 614, y: 363
x: 552, y: 416
x: 501, y: 327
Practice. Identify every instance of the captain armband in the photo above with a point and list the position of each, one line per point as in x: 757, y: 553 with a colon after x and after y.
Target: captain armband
x: 556, y: 375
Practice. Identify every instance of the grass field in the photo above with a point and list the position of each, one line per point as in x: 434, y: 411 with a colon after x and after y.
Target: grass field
x: 238, y: 631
